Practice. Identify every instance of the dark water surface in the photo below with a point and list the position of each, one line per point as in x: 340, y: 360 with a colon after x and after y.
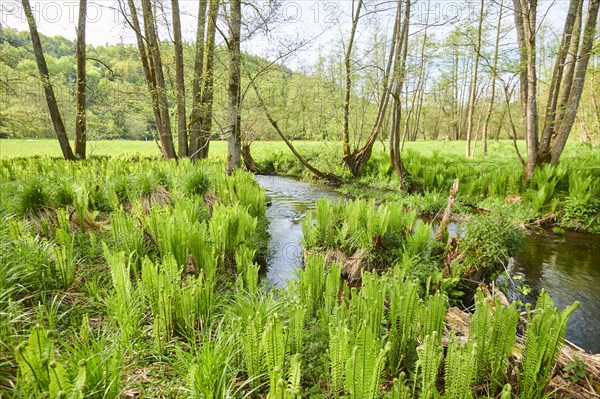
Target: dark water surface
x: 567, y: 267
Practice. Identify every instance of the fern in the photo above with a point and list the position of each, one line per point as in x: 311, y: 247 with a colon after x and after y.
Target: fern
x: 461, y: 369
x: 365, y: 365
x: 403, y: 315
x: 296, y: 327
x: 275, y: 344
x: 332, y: 287
x: 431, y: 316
x: 429, y: 358
x: 339, y: 338
x: 543, y: 340
x: 311, y: 284
x: 399, y: 390
x: 123, y: 305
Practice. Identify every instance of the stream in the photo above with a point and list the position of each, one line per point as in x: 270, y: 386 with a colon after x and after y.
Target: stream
x: 567, y: 267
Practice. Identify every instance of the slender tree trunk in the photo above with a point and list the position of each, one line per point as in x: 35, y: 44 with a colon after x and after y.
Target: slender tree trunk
x: 486, y: 126
x: 572, y: 105
x: 525, y: 21
x: 398, y: 83
x: 80, y: 94
x: 275, y: 125
x: 359, y: 158
x: 206, y: 105
x: 196, y: 142
x: 166, y: 137
x: 557, y: 75
x: 473, y: 86
x: 234, y: 143
x: 146, y: 61
x: 348, y: 85
x: 182, y: 139
x: 57, y: 122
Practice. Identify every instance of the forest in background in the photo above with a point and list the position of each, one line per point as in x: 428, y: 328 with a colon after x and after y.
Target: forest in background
x: 308, y: 103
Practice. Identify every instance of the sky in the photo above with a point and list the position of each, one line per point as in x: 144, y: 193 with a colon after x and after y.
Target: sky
x: 323, y: 21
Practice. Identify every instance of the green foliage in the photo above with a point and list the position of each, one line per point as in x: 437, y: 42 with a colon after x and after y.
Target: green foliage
x: 403, y: 315
x: 460, y: 369
x: 493, y: 329
x: 365, y: 365
x: 32, y: 197
x: 229, y: 227
x: 488, y: 242
x: 195, y: 183
x: 430, y: 354
x: 544, y: 337
x: 575, y: 370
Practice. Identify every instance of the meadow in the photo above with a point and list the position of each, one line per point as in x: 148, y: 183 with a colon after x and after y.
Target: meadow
x: 131, y: 277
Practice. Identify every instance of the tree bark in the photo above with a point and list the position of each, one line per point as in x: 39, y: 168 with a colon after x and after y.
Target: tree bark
x: 557, y: 74
x: 525, y: 21
x: 473, y: 86
x: 166, y: 137
x: 206, y: 105
x: 182, y: 139
x: 145, y: 59
x: 234, y: 142
x: 486, y: 126
x: 57, y: 122
x: 572, y: 105
x: 195, y: 119
x: 398, y: 84
x: 359, y: 158
x: 80, y: 88
x: 348, y: 86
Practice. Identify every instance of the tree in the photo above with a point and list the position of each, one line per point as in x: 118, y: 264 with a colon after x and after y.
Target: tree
x: 182, y: 137
x: 398, y: 75
x: 567, y: 81
x: 57, y: 122
x: 200, y: 125
x: 153, y: 72
x: 234, y: 141
x: 473, y: 85
x: 80, y: 86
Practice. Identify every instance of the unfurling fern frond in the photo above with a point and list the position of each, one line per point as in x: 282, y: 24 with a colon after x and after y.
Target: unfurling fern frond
x: 460, y: 370
x: 339, y: 350
x: 364, y: 367
x: 275, y: 344
x: 428, y: 363
x: 403, y: 314
x: 543, y: 340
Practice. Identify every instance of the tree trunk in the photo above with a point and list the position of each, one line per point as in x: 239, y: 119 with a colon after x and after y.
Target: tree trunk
x: 486, y: 126
x: 80, y: 94
x: 206, y: 106
x: 348, y: 86
x: 557, y: 74
x: 473, y: 86
x: 359, y: 158
x: 182, y: 139
x: 234, y: 142
x: 195, y: 118
x: 398, y: 84
x: 572, y: 105
x: 57, y: 122
x: 146, y: 61
x: 525, y: 21
x: 275, y: 125
x: 166, y: 137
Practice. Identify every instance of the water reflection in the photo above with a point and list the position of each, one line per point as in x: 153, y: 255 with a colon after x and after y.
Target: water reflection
x: 569, y: 269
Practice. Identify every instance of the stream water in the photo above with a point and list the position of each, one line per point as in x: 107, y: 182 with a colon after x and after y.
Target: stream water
x: 567, y: 267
